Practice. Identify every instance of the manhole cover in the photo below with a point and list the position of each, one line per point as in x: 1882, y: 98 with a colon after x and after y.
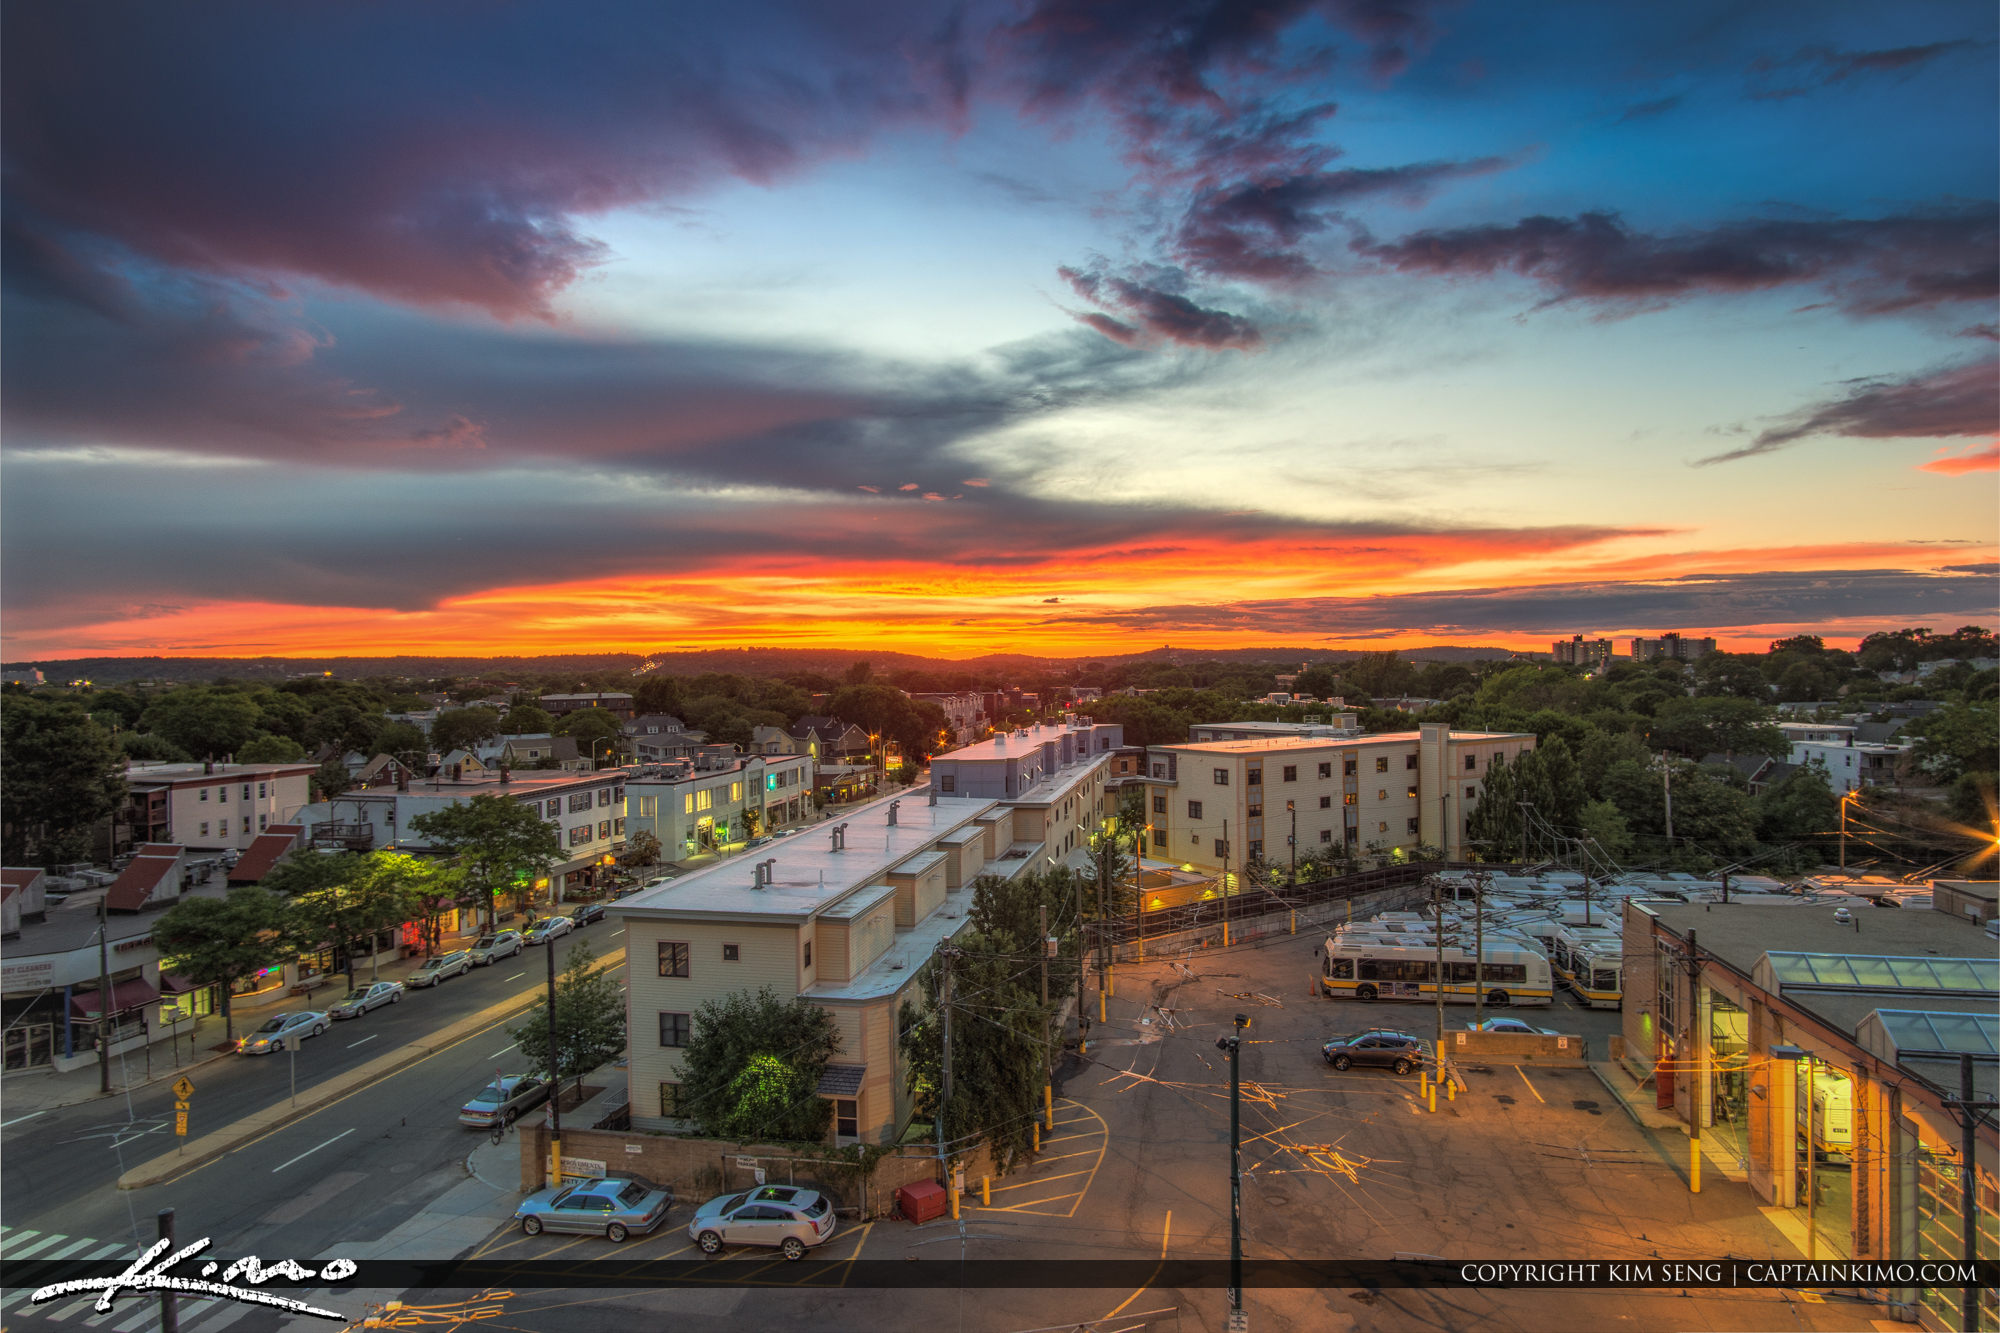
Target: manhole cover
x: 1586, y: 1106
x: 1503, y: 1099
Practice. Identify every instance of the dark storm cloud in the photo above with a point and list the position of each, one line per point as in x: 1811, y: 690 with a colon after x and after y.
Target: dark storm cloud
x: 1821, y: 66
x: 429, y: 154
x: 1711, y: 601
x: 1952, y: 401
x: 1871, y: 266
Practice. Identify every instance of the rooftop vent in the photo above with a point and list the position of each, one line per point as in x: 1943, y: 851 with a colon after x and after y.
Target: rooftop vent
x: 892, y: 812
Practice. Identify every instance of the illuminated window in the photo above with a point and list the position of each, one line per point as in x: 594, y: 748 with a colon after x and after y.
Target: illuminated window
x: 1352, y: 798
x: 1413, y: 793
x: 649, y: 807
x: 1381, y: 763
x: 705, y: 799
x: 1382, y: 827
x: 735, y: 791
x: 687, y: 804
x: 1381, y: 794
x: 674, y: 957
x: 604, y: 828
x: 579, y: 835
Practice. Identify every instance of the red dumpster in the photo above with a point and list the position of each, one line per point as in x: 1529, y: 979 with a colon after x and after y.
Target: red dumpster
x: 923, y: 1201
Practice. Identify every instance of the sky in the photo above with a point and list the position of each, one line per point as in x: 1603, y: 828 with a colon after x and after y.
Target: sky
x: 1055, y: 326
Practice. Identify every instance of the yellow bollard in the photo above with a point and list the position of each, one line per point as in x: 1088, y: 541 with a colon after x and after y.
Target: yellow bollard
x: 1694, y: 1166
x: 986, y: 1191
x: 954, y: 1204
x: 1451, y: 1090
x: 1434, y: 1099
x: 1049, y: 1106
x: 1423, y: 1083
x: 1100, y: 1007
x: 1036, y: 1125
x: 1225, y: 934
x: 1295, y: 921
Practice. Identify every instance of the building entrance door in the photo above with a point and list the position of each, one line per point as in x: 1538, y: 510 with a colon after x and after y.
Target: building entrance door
x: 30, y: 1045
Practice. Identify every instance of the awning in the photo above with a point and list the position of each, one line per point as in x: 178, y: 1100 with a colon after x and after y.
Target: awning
x: 173, y: 983
x: 125, y: 997
x: 841, y: 1080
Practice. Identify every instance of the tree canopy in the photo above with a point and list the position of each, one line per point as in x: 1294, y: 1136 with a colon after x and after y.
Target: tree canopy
x: 60, y: 776
x: 751, y: 1068
x: 219, y: 941
x: 590, y: 1020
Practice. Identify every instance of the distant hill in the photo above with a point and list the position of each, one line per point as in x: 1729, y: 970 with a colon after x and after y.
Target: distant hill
x: 751, y: 661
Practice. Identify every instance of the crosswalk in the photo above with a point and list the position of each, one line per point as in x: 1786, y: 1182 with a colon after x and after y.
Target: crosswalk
x: 128, y: 1314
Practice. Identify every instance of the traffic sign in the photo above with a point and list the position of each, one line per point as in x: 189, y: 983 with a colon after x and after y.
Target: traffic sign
x: 181, y: 1123
x: 182, y: 1088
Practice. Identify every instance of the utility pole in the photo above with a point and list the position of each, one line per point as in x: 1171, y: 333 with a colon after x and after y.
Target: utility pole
x: 103, y: 996
x: 1968, y: 1211
x: 1696, y: 1065
x: 1225, y: 883
x: 946, y: 956
x: 1292, y: 809
x: 1104, y: 853
x: 555, y: 1077
x: 1479, y: 949
x: 1437, y: 935
x: 1843, y: 831
x: 1233, y: 1044
x: 1042, y: 917
x: 170, y: 1315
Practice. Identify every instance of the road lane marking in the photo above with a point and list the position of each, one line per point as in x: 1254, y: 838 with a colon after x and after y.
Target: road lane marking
x: 1040, y: 1180
x: 1531, y: 1087
x: 310, y: 1151
x: 364, y: 1041
x: 517, y: 976
x: 619, y: 931
x: 38, y: 1246
x: 1166, y: 1229
x: 19, y: 1118
x: 503, y: 1050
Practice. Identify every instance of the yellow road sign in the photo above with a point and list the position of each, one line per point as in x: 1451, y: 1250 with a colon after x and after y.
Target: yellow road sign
x: 181, y: 1123
x: 182, y: 1088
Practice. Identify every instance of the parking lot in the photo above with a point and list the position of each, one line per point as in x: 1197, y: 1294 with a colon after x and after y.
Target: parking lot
x: 1533, y: 1163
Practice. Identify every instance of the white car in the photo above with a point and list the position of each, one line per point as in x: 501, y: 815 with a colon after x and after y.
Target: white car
x: 454, y: 964
x: 281, y: 1028
x: 549, y: 927
x: 363, y: 998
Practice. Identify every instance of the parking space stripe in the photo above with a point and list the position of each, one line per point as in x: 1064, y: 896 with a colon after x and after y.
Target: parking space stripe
x: 1040, y: 1180
x: 1524, y: 1078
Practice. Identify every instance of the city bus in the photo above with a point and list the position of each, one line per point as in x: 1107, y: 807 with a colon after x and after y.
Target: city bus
x: 1590, y: 961
x: 1380, y: 968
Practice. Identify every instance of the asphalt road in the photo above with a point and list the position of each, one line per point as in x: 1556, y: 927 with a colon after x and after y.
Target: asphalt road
x: 347, y: 1172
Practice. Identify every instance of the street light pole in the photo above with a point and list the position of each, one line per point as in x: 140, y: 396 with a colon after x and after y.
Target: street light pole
x: 1233, y: 1044
x: 1292, y: 809
x: 555, y: 1077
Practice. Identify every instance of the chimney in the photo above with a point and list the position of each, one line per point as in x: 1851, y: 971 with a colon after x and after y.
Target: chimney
x: 933, y: 795
x: 402, y: 778
x: 892, y: 813
x: 504, y: 774
x: 207, y: 767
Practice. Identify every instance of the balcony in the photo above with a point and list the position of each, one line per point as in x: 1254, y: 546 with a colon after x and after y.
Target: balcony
x: 351, y: 837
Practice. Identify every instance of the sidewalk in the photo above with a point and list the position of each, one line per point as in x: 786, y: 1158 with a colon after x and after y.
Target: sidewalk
x: 1667, y: 1129
x: 28, y: 1091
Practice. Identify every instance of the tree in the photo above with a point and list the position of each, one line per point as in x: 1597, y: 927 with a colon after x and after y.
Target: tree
x: 642, y: 848
x: 1801, y: 809
x: 463, y: 728
x: 219, y: 941
x: 751, y: 1068
x: 591, y: 728
x: 366, y: 895
x: 404, y: 740
x: 657, y: 694
x: 271, y: 750
x: 1699, y: 727
x: 498, y: 841
x: 590, y: 1021
x: 60, y: 776
x: 142, y: 746
x: 526, y: 720
x: 1958, y: 738
x: 331, y: 778
x: 206, y: 721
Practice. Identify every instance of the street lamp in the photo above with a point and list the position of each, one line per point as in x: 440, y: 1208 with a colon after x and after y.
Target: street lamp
x: 1233, y: 1044
x: 1845, y: 797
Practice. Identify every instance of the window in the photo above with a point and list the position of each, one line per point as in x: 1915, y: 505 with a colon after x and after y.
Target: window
x: 261, y: 790
x: 204, y: 793
x: 618, y: 792
x: 579, y: 800
x: 1326, y: 770
x: 618, y: 826
x: 1381, y: 763
x: 674, y: 958
x: 705, y: 799
x: 687, y: 803
x: 1326, y: 835
x: 1352, y: 798
x: 555, y: 807
x: 1382, y: 827
x: 1195, y: 838
x: 1256, y: 811
x: 246, y: 791
x: 1326, y: 803
x: 1381, y: 793
x: 579, y: 835
x: 222, y: 828
x: 732, y: 953
x: 1351, y: 767
x: 1291, y: 772
x: 846, y: 1118
x: 1221, y: 848
x: 1194, y: 809
x: 735, y: 791
x: 1159, y: 770
x: 649, y: 807
x: 261, y: 821
x: 1409, y: 761
x: 1160, y: 804
x: 809, y: 953
x: 1412, y: 826
x: 1256, y: 849
x: 204, y: 828
x: 1222, y: 777
x: 1413, y: 793
x: 947, y: 782
x: 673, y: 1029
x: 1255, y: 777
x: 1159, y: 837
x: 1471, y: 762
x: 671, y: 1105
x: 1472, y: 793
x: 604, y: 828
x: 604, y: 796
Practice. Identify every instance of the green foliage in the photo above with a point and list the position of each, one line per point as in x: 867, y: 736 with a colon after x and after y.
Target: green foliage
x: 782, y: 1044
x: 1701, y: 727
x: 206, y: 721
x: 348, y: 726
x: 462, y: 728
x: 497, y: 841
x: 271, y: 750
x: 330, y: 779
x: 591, y: 728
x: 1802, y: 809
x: 143, y: 746
x: 1959, y: 738
x: 219, y: 941
x: 526, y: 720
x: 341, y: 899
x: 404, y: 740
x: 589, y: 1020
x: 642, y: 848
x: 60, y: 776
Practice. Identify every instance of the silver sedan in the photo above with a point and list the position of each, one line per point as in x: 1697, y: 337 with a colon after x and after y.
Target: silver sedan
x: 611, y: 1208
x: 363, y: 998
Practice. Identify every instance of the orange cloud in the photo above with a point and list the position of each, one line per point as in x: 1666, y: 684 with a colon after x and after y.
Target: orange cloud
x: 1958, y: 465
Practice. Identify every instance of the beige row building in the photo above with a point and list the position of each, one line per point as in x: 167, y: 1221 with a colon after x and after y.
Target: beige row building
x: 1219, y: 805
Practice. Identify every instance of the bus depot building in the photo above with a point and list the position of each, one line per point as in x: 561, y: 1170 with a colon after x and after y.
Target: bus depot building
x: 1821, y: 1049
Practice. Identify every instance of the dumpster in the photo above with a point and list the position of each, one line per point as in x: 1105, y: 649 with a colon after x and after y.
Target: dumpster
x: 924, y: 1201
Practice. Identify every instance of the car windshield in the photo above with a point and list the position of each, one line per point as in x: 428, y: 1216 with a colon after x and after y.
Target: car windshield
x: 486, y: 941
x: 432, y: 964
x: 490, y: 1094
x: 729, y: 1203
x: 355, y: 997
x: 276, y: 1024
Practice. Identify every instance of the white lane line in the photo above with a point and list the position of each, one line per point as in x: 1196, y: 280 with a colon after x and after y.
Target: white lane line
x: 310, y: 1151
x: 619, y: 931
x: 517, y: 976
x: 19, y: 1118
x: 503, y: 1050
x: 363, y: 1042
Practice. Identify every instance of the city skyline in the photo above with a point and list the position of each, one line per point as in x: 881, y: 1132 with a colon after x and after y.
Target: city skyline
x: 1058, y: 328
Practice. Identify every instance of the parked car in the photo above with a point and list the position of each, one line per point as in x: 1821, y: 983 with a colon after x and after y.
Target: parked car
x: 363, y: 998
x: 587, y: 913
x: 489, y: 948
x: 454, y: 964
x: 786, y: 1216
x: 548, y: 928
x: 1398, y: 1050
x: 502, y: 1101
x: 1510, y: 1025
x: 281, y: 1028
x: 613, y: 1207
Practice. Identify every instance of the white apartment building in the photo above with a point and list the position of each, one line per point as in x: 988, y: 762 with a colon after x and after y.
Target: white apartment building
x: 1219, y: 805
x: 212, y: 805
x: 1851, y: 765
x: 692, y: 810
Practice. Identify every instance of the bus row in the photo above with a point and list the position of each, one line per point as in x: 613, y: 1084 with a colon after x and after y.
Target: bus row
x: 1398, y: 960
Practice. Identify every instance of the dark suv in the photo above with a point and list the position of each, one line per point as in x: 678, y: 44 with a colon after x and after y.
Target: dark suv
x: 1398, y: 1050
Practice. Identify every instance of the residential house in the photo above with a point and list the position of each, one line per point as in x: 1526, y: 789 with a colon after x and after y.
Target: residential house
x: 211, y: 805
x: 829, y: 740
x: 698, y: 808
x: 618, y: 705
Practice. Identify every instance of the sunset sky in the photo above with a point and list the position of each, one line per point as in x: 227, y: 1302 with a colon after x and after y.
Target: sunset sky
x: 1059, y: 326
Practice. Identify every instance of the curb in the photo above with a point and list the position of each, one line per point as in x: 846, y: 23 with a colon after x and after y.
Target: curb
x: 169, y: 1166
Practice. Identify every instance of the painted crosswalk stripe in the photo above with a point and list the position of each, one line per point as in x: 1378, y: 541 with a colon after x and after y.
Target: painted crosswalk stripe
x: 67, y: 1250
x: 9, y: 1236
x: 36, y: 1247
x: 227, y: 1313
